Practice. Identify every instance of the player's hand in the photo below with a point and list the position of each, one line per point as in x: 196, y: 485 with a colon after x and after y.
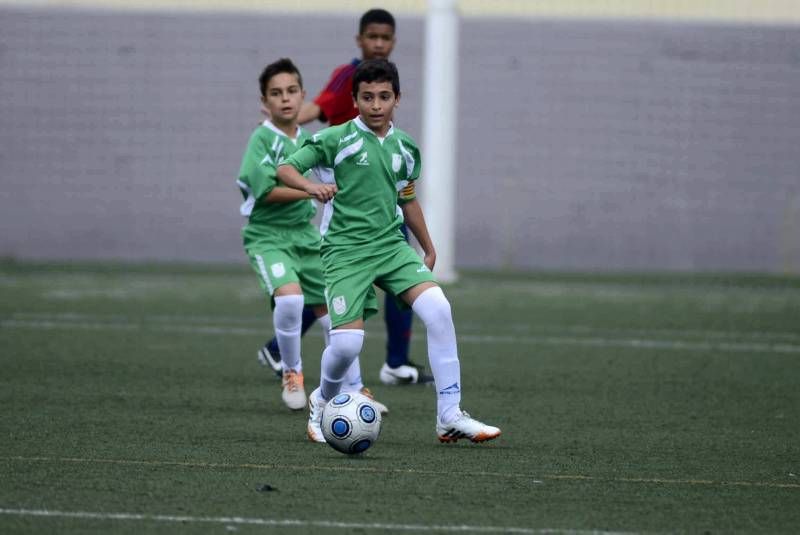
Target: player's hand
x: 322, y: 192
x: 430, y: 259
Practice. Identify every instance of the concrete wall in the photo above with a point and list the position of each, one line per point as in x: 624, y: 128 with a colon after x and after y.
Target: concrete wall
x: 583, y: 145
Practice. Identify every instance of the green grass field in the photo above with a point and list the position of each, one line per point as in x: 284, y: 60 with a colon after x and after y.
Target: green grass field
x: 132, y: 403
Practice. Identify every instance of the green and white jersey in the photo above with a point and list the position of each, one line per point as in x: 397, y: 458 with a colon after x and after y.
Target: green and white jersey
x: 369, y: 172
x: 266, y: 148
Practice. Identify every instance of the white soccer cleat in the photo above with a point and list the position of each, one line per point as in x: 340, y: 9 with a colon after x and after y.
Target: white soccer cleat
x: 383, y: 409
x: 315, y: 407
x: 466, y: 427
x: 294, y: 394
x: 405, y: 374
x: 402, y: 375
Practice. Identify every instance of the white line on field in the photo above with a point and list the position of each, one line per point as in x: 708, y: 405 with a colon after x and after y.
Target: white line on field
x: 537, y: 478
x: 329, y: 524
x: 631, y: 343
x: 514, y: 328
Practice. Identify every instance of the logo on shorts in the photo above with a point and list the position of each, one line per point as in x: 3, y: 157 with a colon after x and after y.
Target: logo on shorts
x: 397, y: 162
x: 362, y: 160
x: 422, y: 269
x: 339, y: 304
x: 278, y: 270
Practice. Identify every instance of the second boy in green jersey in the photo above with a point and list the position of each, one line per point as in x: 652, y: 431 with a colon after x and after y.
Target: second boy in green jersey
x: 279, y: 238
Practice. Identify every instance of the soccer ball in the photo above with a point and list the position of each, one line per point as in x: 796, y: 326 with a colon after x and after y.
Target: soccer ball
x: 351, y: 423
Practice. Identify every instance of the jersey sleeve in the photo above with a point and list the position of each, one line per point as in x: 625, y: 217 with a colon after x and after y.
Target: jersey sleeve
x: 259, y: 169
x: 412, y: 157
x: 315, y: 152
x: 412, y: 166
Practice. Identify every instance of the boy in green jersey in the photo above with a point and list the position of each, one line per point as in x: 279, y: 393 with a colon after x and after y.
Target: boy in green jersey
x: 279, y: 238
x: 368, y: 168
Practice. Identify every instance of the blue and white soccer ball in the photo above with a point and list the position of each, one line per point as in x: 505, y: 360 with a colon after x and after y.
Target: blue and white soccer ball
x: 351, y: 423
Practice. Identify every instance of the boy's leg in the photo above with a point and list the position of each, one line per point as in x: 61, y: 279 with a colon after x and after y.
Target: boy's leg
x: 287, y: 319
x: 398, y: 332
x: 433, y: 308
x: 338, y: 357
x: 270, y: 354
x: 345, y: 345
x: 429, y: 303
x: 398, y: 369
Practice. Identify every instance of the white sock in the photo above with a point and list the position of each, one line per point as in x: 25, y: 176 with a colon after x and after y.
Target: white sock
x: 287, y: 319
x: 433, y: 309
x: 325, y: 323
x: 337, y: 358
x: 352, y: 379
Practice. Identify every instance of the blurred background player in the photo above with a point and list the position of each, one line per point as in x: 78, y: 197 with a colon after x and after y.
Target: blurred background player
x: 369, y: 167
x: 279, y: 238
x: 334, y: 105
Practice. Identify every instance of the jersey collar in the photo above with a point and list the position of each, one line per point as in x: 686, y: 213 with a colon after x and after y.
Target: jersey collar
x: 360, y: 124
x: 267, y: 123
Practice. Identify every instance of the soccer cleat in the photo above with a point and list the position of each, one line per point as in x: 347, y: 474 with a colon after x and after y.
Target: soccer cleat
x: 268, y: 358
x: 466, y: 427
x: 294, y: 395
x: 315, y: 407
x: 383, y: 409
x: 405, y: 374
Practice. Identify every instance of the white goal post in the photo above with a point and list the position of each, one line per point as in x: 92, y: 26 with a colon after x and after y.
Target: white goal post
x: 439, y: 116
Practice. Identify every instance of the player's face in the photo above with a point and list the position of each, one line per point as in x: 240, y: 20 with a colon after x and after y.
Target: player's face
x: 284, y: 98
x: 376, y: 102
x: 376, y: 42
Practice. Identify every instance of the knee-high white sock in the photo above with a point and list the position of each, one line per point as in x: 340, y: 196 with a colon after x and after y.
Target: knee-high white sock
x: 287, y: 319
x: 325, y: 324
x: 434, y: 310
x: 337, y: 358
x: 352, y: 379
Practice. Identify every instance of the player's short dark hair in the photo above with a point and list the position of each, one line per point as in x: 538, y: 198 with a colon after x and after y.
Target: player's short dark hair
x: 376, y: 70
x: 277, y: 67
x: 375, y: 16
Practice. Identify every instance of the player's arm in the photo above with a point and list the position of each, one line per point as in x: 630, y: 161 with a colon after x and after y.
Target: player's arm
x: 309, y: 112
x: 265, y: 185
x: 290, y: 171
x: 281, y: 194
x: 415, y: 220
x: 292, y: 178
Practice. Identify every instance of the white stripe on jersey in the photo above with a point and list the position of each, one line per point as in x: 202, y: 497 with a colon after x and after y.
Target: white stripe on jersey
x: 324, y: 174
x: 408, y: 157
x: 348, y: 151
x: 327, y: 214
x: 246, y: 207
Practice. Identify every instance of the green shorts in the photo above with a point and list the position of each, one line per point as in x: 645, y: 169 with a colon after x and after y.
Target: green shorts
x: 349, y: 291
x: 283, y: 256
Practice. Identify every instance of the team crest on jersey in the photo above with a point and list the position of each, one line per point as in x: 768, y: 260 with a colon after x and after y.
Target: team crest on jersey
x: 278, y: 270
x: 362, y: 160
x: 339, y: 304
x: 397, y: 162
